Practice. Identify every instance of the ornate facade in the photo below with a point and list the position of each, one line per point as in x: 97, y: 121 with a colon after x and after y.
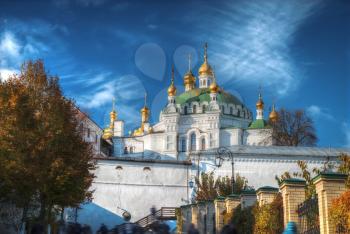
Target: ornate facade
x: 203, y: 117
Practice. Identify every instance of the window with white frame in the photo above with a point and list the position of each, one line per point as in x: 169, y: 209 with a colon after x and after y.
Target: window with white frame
x: 193, y: 141
x: 203, y: 146
x: 169, y: 142
x: 182, y: 145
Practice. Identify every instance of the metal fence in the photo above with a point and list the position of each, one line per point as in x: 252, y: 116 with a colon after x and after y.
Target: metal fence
x: 309, y: 216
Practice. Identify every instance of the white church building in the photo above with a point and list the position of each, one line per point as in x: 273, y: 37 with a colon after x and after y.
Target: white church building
x: 154, y: 165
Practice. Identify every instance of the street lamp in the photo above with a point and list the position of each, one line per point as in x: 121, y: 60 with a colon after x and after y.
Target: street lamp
x: 221, y: 154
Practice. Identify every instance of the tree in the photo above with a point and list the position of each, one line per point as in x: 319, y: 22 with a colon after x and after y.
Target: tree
x: 293, y: 128
x: 269, y: 217
x: 340, y: 212
x: 205, y: 187
x: 208, y: 188
x: 344, y: 166
x: 44, y: 160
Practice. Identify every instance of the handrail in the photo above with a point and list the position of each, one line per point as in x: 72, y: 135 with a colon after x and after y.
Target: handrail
x: 165, y: 213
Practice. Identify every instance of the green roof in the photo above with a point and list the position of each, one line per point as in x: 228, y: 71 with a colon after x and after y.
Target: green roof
x: 268, y: 188
x: 331, y: 176
x: 293, y: 181
x: 259, y: 124
x: 203, y: 95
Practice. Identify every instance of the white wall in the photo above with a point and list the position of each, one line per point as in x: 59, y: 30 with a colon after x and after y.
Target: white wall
x: 134, y: 189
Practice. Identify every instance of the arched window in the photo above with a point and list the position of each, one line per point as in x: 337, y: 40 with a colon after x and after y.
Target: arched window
x: 185, y: 110
x: 203, y: 143
x: 231, y: 110
x: 125, y: 150
x: 193, y: 141
x: 204, y: 108
x: 238, y: 113
x: 194, y: 109
x: 183, y: 145
x: 131, y: 150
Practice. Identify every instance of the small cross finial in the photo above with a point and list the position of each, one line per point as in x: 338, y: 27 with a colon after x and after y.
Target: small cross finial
x: 145, y: 99
x: 205, y: 52
x: 172, y: 74
x: 113, y: 104
x: 260, y: 91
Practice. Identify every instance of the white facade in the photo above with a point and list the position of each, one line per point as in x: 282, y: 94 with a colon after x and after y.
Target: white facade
x: 154, y: 165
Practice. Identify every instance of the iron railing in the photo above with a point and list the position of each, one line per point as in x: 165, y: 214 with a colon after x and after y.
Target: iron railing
x: 165, y: 213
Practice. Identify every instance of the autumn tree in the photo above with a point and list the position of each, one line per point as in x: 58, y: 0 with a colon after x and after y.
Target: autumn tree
x: 293, y: 128
x: 208, y: 188
x: 44, y: 162
x: 340, y: 212
x: 269, y: 217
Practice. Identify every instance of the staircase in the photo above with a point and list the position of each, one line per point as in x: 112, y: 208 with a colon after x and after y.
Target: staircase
x: 165, y: 213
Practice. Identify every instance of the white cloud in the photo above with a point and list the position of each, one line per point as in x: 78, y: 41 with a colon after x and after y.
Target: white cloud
x: 9, y: 46
x: 251, y: 41
x: 318, y: 112
x: 6, y: 73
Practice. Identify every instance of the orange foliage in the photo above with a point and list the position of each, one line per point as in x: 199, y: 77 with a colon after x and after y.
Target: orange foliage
x: 340, y: 211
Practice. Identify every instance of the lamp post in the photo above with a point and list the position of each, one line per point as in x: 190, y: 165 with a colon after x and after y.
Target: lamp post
x: 223, y: 153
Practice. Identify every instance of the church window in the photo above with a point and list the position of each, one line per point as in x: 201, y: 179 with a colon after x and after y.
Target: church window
x: 88, y: 132
x: 169, y: 142
x: 204, y: 108
x: 223, y: 109
x: 212, y: 140
x: 204, y: 82
x: 194, y: 109
x: 231, y: 110
x: 131, y: 150
x: 203, y: 143
x: 193, y: 141
x: 185, y: 110
x: 125, y: 150
x: 238, y: 113
x: 183, y: 145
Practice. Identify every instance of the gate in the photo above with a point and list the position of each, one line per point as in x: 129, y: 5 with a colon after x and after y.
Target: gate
x: 309, y: 217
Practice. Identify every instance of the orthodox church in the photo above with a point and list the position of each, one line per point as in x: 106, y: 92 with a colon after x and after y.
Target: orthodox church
x: 202, y: 117
x: 155, y: 165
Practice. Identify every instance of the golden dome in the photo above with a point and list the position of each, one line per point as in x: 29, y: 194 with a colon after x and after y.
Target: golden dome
x: 260, y: 103
x: 189, y: 78
x: 214, y: 88
x: 107, y: 134
x: 113, y: 115
x: 144, y: 109
x: 205, y: 68
x: 172, y: 88
x: 273, y: 114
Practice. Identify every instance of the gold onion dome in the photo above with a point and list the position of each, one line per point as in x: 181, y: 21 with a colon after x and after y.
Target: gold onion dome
x: 108, y: 132
x: 205, y: 68
x: 189, y: 78
x: 260, y: 103
x: 172, y: 88
x: 214, y: 87
x: 273, y: 114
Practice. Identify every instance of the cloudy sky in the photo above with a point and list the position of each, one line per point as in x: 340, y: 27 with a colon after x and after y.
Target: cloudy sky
x: 298, y: 51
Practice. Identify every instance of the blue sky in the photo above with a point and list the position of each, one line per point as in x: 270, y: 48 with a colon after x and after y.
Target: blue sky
x: 297, y: 50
